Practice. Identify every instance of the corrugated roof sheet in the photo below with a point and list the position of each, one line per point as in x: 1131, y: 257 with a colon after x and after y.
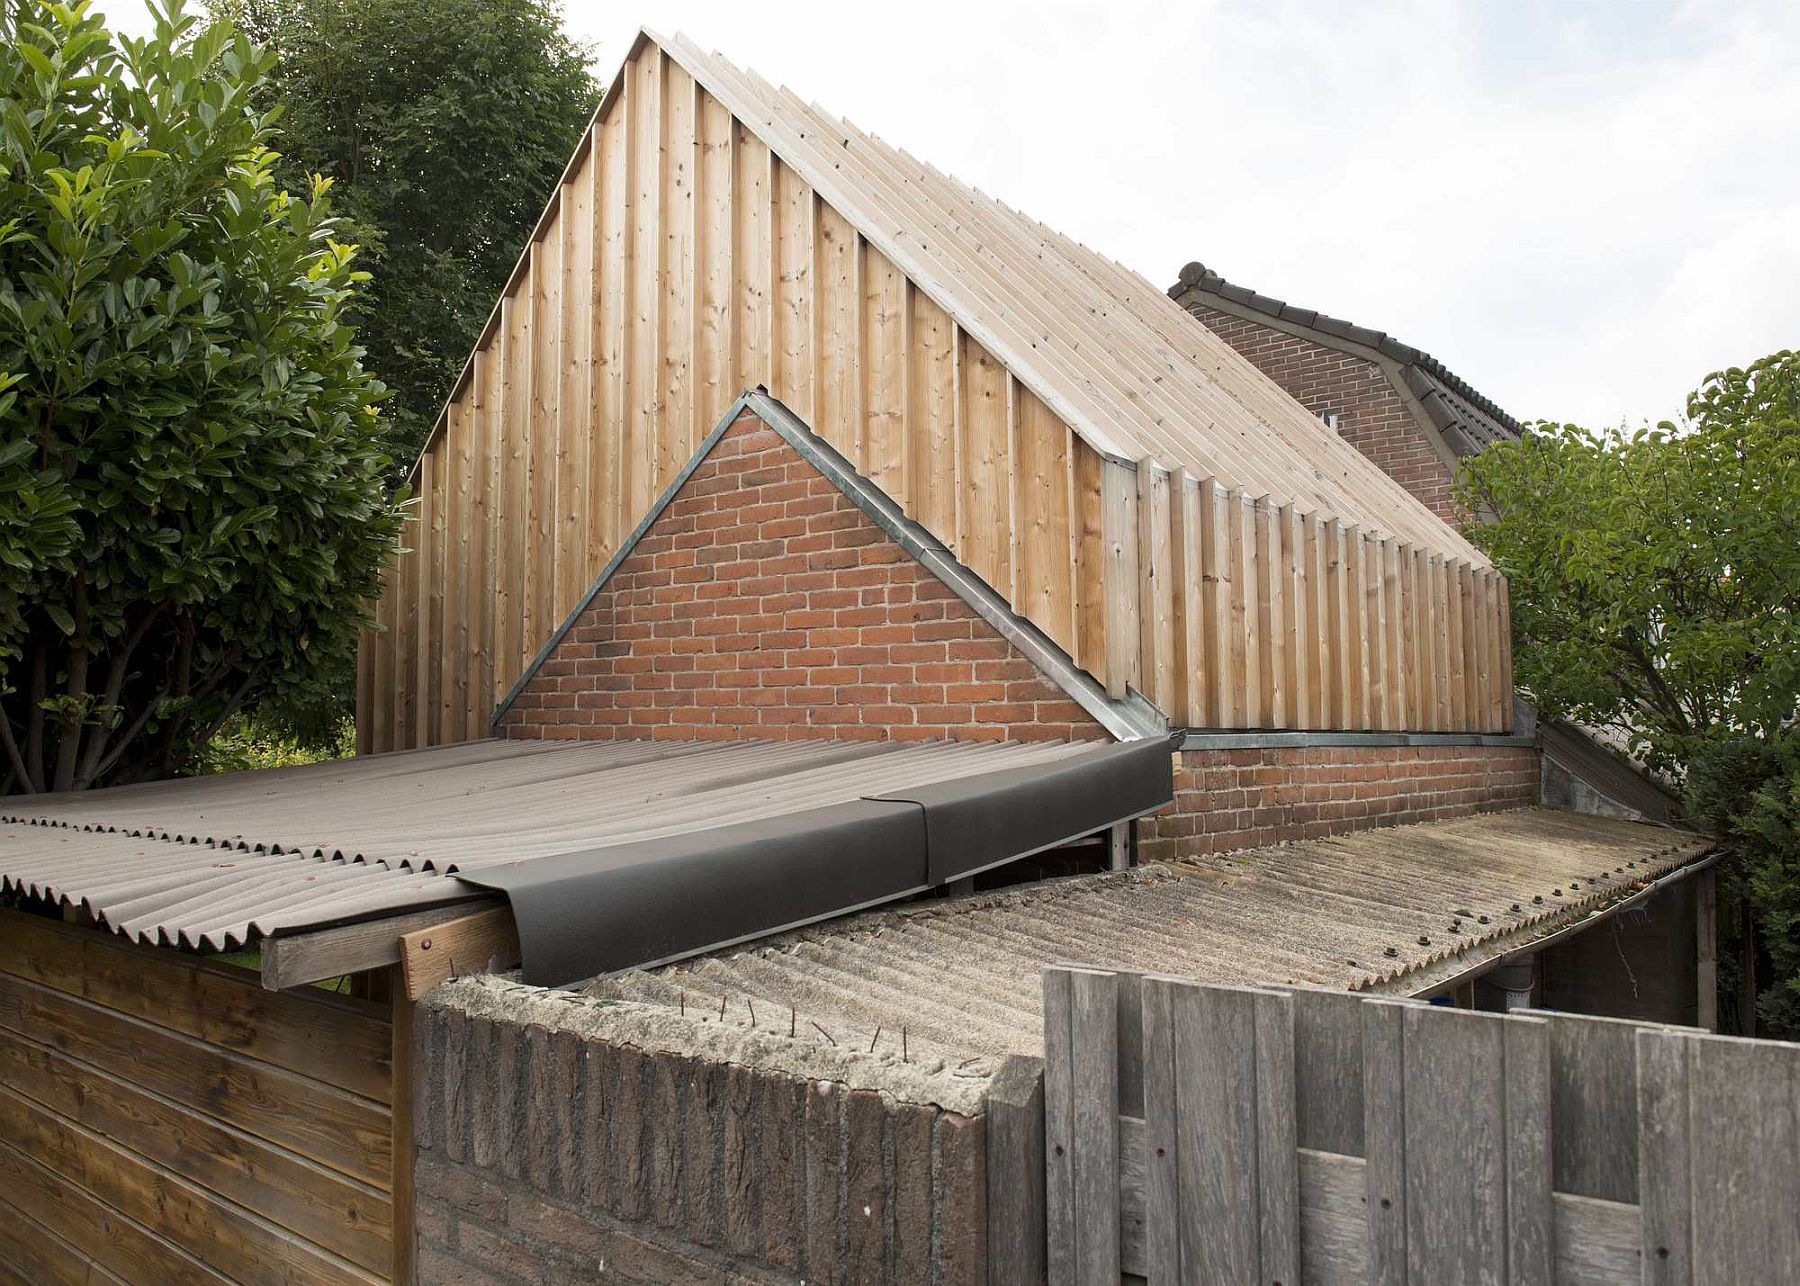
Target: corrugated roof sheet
x: 1105, y: 349
x: 219, y: 861
x: 962, y: 976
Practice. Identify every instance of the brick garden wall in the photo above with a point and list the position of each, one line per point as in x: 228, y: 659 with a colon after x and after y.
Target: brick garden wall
x: 1232, y: 799
x: 1371, y: 413
x: 764, y: 603
x: 557, y: 1156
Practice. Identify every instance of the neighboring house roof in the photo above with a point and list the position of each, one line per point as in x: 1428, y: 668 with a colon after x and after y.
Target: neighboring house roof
x: 605, y: 828
x: 1468, y: 421
x: 1442, y: 898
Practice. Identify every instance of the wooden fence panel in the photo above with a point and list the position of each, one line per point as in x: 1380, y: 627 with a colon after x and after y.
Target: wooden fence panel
x: 162, y: 1118
x: 1298, y: 1136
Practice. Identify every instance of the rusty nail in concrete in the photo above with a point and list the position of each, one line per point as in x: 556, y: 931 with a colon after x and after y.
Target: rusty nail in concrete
x: 903, y: 1044
x: 793, y: 1020
x: 684, y: 1004
x: 721, y: 1009
x: 822, y: 1032
x: 752, y: 1005
x: 874, y: 1038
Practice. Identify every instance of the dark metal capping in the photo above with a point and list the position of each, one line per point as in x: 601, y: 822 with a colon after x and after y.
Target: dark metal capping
x: 1208, y: 739
x: 650, y: 901
x: 1130, y: 718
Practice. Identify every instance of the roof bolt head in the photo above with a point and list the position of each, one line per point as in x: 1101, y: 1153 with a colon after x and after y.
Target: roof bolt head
x: 1556, y: 892
x: 1481, y: 919
x: 1537, y: 899
x: 1517, y: 907
x: 1424, y: 941
x: 1391, y: 952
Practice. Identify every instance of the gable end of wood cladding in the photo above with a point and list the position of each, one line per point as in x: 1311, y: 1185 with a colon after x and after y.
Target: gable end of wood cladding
x: 680, y: 261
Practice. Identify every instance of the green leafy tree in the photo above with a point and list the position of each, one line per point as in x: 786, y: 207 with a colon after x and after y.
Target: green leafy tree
x: 1655, y: 583
x: 193, y: 508
x: 443, y: 123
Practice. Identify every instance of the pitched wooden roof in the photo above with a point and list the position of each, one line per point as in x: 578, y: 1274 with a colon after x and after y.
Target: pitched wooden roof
x: 1109, y: 352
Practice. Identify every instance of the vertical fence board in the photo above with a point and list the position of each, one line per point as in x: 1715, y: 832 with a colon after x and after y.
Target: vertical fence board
x: 1744, y: 1102
x: 1455, y: 1146
x: 1059, y: 1128
x: 1384, y: 1140
x: 1162, y: 1198
x: 1530, y: 1215
x: 1328, y: 1071
x: 1094, y: 1038
x: 1664, y: 1166
x: 1215, y: 1104
x: 1277, y: 1154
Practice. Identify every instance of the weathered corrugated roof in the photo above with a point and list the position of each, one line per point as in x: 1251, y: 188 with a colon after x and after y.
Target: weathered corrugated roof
x: 1469, y: 421
x: 962, y: 977
x: 218, y: 861
x: 1104, y: 349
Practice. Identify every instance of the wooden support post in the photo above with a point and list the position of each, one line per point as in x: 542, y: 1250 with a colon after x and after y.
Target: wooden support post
x: 1118, y: 846
x: 1706, y: 949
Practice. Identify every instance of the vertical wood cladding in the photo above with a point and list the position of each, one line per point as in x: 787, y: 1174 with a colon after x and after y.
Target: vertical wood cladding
x: 680, y: 262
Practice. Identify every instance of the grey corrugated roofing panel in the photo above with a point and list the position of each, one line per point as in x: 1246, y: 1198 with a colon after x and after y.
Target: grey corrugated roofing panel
x: 1321, y: 912
x: 216, y: 861
x: 164, y: 893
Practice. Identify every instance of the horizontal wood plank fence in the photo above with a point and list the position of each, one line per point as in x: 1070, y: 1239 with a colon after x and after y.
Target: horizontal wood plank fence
x: 1212, y: 1134
x: 163, y: 1119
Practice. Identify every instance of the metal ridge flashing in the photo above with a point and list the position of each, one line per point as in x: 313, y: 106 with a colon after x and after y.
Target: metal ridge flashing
x: 1254, y: 739
x: 1129, y: 718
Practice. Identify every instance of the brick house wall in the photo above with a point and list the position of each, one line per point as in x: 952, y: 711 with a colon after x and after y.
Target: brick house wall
x: 556, y: 1155
x: 1233, y: 799
x: 1370, y: 412
x: 763, y: 602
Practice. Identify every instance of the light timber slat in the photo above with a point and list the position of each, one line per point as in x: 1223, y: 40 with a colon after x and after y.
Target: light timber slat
x: 713, y: 233
x: 1215, y: 604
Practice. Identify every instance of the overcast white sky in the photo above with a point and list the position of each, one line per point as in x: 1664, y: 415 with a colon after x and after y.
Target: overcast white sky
x: 1581, y: 208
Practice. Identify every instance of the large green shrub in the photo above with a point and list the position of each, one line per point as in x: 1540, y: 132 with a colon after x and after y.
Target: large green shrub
x: 192, y: 504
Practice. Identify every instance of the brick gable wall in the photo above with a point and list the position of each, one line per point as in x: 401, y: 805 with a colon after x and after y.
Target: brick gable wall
x: 762, y: 602
x: 1372, y: 416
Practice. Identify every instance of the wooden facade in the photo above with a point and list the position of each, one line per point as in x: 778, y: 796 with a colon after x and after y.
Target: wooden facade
x: 165, y: 1119
x: 1124, y: 479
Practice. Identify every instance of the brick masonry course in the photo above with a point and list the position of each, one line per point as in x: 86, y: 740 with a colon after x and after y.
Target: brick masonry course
x: 1234, y: 799
x: 763, y: 602
x: 1371, y: 414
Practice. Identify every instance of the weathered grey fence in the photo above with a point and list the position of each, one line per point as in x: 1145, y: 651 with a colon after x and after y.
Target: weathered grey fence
x: 1207, y: 1134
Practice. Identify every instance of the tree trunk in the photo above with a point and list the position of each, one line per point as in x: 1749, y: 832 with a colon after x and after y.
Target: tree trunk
x: 1746, y: 999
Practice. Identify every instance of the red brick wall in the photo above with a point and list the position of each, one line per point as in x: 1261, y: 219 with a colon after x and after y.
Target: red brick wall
x: 764, y: 603
x: 1371, y: 414
x: 1232, y: 799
